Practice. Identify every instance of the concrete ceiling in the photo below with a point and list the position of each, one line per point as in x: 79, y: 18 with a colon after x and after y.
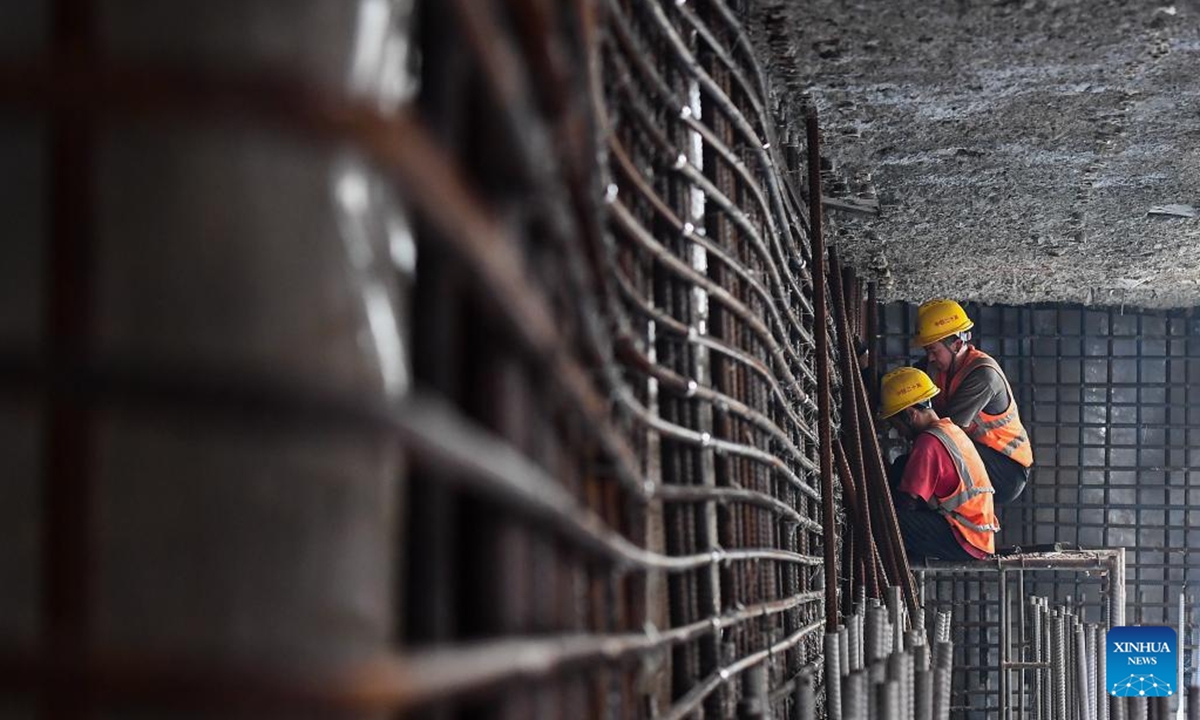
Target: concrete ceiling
x: 1018, y: 149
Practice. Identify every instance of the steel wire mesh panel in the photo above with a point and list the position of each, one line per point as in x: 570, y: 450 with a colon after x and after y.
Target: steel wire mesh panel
x: 683, y: 132
x: 1108, y: 397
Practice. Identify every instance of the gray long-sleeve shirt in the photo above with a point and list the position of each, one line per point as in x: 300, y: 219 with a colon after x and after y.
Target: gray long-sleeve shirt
x: 983, y: 389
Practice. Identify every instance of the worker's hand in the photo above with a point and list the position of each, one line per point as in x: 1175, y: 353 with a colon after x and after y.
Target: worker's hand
x: 864, y: 353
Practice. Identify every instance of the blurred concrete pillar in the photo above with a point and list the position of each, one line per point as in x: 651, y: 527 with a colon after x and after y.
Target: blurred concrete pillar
x: 245, y: 269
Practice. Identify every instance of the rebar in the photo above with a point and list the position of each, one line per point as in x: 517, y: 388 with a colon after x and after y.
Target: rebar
x: 1102, y: 696
x: 1084, y: 692
x: 805, y: 702
x: 1058, y: 664
x: 887, y: 701
x: 1091, y: 656
x: 878, y: 634
x: 843, y: 650
x: 821, y: 341
x: 833, y: 685
x: 921, y: 658
x: 923, y: 691
x: 895, y: 608
x: 880, y: 664
x: 634, y: 424
x: 1137, y: 708
x: 1037, y: 652
x: 943, y: 651
x: 914, y: 639
x: 1049, y: 696
x: 854, y: 693
x: 900, y: 670
x: 755, y: 704
x: 942, y: 629
x: 854, y: 640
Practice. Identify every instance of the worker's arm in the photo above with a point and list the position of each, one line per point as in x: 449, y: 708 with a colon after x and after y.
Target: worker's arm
x: 981, y: 388
x: 921, y: 472
x: 908, y: 503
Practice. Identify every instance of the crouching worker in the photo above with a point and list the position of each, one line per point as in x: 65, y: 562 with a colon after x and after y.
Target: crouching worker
x: 976, y: 395
x: 944, y: 500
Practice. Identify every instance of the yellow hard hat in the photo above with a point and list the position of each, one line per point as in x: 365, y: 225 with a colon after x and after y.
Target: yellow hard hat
x: 938, y: 320
x: 904, y: 387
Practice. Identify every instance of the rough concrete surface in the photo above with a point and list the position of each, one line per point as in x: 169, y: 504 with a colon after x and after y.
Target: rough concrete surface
x: 1017, y: 148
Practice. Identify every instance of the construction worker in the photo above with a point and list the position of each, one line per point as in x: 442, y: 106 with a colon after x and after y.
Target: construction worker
x: 975, y: 394
x: 944, y: 500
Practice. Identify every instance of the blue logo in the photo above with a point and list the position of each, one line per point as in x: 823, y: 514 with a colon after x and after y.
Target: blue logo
x: 1142, y: 661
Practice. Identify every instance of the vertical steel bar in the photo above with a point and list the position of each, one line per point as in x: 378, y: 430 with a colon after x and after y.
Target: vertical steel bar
x: 843, y: 650
x: 852, y: 449
x: 1072, y: 684
x: 876, y: 618
x: 943, y: 652
x: 1058, y: 665
x: 895, y: 609
x: 888, y: 702
x: 1181, y: 639
x: 1023, y: 643
x: 756, y: 703
x: 67, y: 582
x: 1102, y: 712
x: 1136, y: 708
x: 710, y: 583
x: 860, y: 619
x: 1002, y: 579
x: 854, y: 696
x: 805, y: 706
x: 1156, y: 708
x: 1037, y: 655
x: 855, y: 640
x: 833, y: 684
x: 1116, y: 616
x: 821, y: 340
x: 1090, y: 657
x: 1048, y: 682
x: 873, y: 344
x: 923, y: 691
x: 942, y: 630
x: 1083, y: 690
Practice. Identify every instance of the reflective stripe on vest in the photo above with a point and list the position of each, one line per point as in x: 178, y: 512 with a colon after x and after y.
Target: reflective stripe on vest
x: 990, y: 430
x: 970, y: 508
x: 977, y: 528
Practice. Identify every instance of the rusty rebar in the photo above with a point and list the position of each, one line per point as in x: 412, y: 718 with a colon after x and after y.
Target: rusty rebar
x: 594, y: 335
x: 820, y: 333
x: 852, y: 433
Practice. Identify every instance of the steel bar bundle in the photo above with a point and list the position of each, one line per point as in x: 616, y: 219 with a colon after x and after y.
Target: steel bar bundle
x: 892, y: 680
x: 1022, y: 655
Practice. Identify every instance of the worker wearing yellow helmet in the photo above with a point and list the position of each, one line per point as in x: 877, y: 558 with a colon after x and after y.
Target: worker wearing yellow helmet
x: 944, y: 500
x: 975, y: 394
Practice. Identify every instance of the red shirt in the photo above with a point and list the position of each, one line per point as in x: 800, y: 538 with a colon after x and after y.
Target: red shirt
x: 929, y: 473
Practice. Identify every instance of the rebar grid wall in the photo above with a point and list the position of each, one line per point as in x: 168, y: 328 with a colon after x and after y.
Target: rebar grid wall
x: 1107, y: 395
x: 346, y: 382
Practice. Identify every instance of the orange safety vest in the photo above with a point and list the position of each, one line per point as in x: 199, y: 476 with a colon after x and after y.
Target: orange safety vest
x: 971, y: 507
x: 1003, y: 433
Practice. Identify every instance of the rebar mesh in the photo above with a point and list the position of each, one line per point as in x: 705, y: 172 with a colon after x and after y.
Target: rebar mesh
x: 568, y: 263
